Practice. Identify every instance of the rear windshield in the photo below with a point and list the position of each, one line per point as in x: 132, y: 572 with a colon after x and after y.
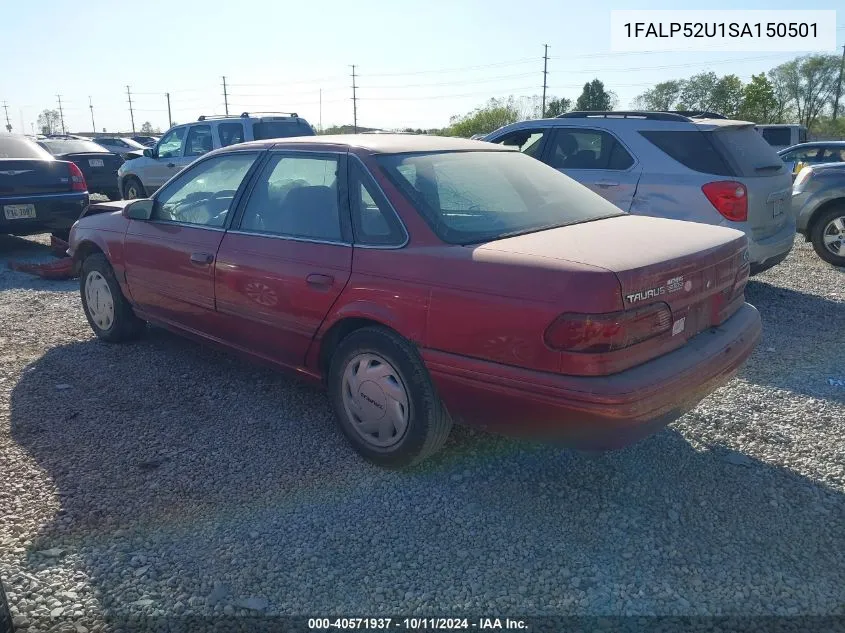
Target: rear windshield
x: 72, y: 147
x: 781, y: 136
x: 280, y: 129
x: 471, y: 197
x: 747, y: 152
x: 692, y: 149
x: 14, y: 147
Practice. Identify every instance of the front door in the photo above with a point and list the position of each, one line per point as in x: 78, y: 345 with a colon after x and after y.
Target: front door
x: 170, y: 257
x: 167, y: 160
x: 284, y: 264
x: 597, y: 160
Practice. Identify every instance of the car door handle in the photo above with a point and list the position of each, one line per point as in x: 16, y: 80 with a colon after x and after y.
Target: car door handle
x: 171, y: 165
x: 316, y: 279
x: 202, y: 259
x: 607, y: 183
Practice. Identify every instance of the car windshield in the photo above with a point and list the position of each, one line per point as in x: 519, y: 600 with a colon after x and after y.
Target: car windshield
x: 472, y: 197
x: 133, y: 144
x: 56, y: 147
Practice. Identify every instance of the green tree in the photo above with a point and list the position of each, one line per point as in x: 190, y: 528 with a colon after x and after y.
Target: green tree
x: 697, y: 93
x: 595, y: 98
x: 50, y: 122
x: 759, y: 103
x: 727, y: 96
x: 147, y: 128
x: 810, y: 83
x: 558, y: 106
x: 491, y: 116
x: 662, y: 97
x: 783, y: 99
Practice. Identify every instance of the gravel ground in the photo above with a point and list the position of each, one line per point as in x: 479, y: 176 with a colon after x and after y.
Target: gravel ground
x: 163, y: 478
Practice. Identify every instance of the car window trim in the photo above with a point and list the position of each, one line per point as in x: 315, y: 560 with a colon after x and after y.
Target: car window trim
x: 236, y: 199
x: 559, y: 129
x: 368, y: 176
x: 344, y: 212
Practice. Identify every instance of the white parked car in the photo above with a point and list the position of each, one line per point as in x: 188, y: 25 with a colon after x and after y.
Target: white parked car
x: 183, y: 144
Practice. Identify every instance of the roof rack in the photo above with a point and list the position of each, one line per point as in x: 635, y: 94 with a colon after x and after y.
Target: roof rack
x: 698, y: 114
x: 292, y: 115
x: 244, y: 115
x: 206, y: 117
x: 626, y: 114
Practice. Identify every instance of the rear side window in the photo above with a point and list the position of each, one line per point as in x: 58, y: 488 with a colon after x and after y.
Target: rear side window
x: 280, y: 129
x: 13, y: 147
x: 230, y: 133
x: 777, y: 135
x: 199, y: 141
x: 374, y: 222
x: 692, y: 149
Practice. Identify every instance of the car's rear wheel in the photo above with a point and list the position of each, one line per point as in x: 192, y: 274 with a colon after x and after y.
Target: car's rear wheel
x: 384, y: 400
x: 133, y: 189
x: 828, y: 236
x: 108, y: 312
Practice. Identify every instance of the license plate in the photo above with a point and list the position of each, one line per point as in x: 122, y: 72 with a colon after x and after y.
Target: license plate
x: 19, y: 211
x: 95, y: 162
x: 778, y: 208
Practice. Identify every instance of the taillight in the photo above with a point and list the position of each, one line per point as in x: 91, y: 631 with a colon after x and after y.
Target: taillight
x: 730, y: 199
x: 598, y: 333
x: 77, y: 180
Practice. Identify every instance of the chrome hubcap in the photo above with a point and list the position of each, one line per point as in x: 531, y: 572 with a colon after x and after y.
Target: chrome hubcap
x: 99, y: 299
x: 834, y: 236
x: 375, y: 400
x: 131, y: 192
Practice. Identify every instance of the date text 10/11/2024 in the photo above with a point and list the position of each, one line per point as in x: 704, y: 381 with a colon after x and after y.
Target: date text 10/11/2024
x: 416, y: 624
x: 721, y: 29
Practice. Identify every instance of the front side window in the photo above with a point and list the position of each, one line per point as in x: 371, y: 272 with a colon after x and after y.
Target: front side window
x: 203, y: 194
x: 230, y: 133
x: 528, y: 142
x: 198, y: 141
x: 472, y: 197
x: 295, y: 196
x: 171, y: 145
x: 574, y: 148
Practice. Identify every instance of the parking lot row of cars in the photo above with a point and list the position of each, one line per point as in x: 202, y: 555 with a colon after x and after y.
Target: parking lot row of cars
x: 426, y: 279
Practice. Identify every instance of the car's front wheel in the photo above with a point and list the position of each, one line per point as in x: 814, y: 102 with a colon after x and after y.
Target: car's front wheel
x: 384, y: 399
x: 133, y: 189
x: 828, y: 236
x: 108, y: 312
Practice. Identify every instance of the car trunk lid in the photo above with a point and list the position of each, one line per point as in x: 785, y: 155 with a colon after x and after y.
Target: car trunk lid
x: 21, y: 176
x: 95, y: 164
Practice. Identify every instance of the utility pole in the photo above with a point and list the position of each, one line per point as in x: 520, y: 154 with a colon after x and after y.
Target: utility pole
x: 321, y: 109
x: 93, y: 125
x: 545, y: 75
x: 61, y: 113
x: 8, y: 122
x: 354, y: 102
x: 169, y: 118
x: 131, y: 113
x: 839, y: 85
x: 225, y: 96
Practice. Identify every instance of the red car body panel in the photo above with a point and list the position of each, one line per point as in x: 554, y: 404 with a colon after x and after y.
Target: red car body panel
x: 477, y: 314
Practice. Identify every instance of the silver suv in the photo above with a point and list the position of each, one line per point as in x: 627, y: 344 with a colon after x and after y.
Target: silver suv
x: 714, y: 171
x: 183, y: 144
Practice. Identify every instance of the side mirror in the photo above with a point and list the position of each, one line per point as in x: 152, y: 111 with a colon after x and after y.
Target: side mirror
x: 149, y: 152
x: 139, y: 209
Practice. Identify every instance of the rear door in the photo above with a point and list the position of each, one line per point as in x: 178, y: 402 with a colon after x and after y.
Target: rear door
x: 596, y: 159
x: 197, y: 143
x: 170, y: 257
x: 289, y: 256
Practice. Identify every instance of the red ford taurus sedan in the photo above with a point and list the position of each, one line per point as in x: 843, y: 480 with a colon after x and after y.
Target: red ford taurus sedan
x: 425, y: 280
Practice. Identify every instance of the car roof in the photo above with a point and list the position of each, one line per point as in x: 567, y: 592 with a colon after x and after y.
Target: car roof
x: 380, y: 143
x: 814, y: 144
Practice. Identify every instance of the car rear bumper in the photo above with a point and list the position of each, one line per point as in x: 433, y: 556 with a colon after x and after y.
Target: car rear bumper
x: 53, y: 212
x: 761, y: 253
x: 594, y: 412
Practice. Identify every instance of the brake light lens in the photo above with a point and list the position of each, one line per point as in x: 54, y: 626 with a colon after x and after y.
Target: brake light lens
x: 599, y: 333
x: 730, y: 199
x: 77, y: 180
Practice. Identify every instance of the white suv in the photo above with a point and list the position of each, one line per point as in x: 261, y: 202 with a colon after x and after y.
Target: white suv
x: 708, y: 170
x: 183, y: 144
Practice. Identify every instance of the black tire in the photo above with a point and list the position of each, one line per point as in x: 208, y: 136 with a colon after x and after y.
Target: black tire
x: 428, y: 423
x: 820, y: 224
x: 125, y: 326
x: 63, y: 234
x: 133, y: 189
